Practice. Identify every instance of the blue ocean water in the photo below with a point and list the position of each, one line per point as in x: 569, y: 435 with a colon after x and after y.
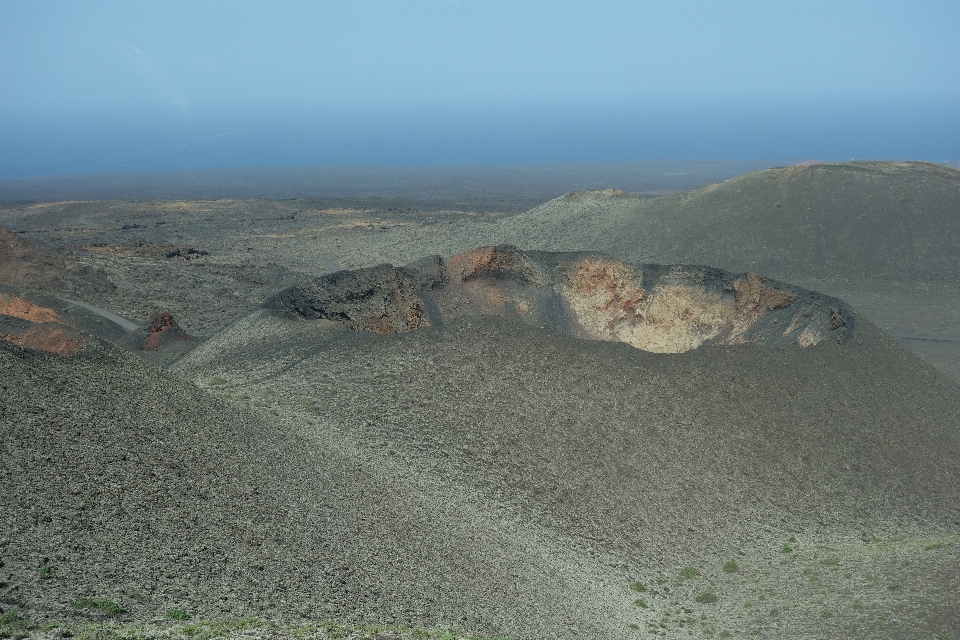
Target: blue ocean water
x: 37, y: 144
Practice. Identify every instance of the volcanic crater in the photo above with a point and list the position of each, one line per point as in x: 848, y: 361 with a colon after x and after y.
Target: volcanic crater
x: 658, y: 308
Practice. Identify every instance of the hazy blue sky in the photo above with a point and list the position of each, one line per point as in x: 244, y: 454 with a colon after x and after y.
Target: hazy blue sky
x: 114, y: 86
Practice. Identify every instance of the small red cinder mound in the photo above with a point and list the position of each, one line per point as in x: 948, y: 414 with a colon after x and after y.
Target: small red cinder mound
x: 160, y: 329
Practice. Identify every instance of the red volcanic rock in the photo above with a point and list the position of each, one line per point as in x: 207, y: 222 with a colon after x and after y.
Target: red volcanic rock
x: 27, y: 324
x: 160, y: 329
x: 36, y: 333
x: 52, y: 338
x: 26, y: 310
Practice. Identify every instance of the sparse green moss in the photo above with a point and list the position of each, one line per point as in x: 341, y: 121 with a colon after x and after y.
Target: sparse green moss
x: 731, y: 566
x: 11, y: 619
x: 213, y: 629
x: 689, y: 572
x: 105, y: 605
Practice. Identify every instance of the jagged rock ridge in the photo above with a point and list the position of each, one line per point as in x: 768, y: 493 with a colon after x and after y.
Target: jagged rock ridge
x: 659, y: 308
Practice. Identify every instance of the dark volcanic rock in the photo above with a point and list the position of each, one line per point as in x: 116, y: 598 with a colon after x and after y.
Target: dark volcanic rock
x: 187, y: 254
x: 382, y: 299
x: 661, y: 308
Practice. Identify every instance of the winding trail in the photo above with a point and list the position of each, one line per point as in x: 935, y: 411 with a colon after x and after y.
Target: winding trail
x: 112, y: 317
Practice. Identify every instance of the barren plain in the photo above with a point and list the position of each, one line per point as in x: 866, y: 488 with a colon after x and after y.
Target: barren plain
x: 614, y: 410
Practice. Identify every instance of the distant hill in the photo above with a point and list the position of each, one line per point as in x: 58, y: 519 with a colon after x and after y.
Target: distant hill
x: 882, y: 236
x: 895, y: 223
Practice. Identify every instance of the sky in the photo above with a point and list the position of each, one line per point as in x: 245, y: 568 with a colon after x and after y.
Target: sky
x: 137, y: 85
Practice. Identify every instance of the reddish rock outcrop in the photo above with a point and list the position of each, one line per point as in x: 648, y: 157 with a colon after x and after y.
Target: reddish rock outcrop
x: 30, y: 325
x: 26, y: 310
x: 161, y: 329
x: 52, y: 338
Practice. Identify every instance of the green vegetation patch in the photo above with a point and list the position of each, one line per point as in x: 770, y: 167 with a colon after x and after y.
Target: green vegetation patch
x: 689, y: 572
x: 104, y: 605
x: 935, y: 541
x: 12, y: 622
x: 212, y: 629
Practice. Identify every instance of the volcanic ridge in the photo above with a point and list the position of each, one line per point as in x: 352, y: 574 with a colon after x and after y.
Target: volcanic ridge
x: 659, y: 308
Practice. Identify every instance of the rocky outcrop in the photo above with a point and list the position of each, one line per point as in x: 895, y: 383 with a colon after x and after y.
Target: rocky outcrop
x: 660, y: 308
x: 159, y: 330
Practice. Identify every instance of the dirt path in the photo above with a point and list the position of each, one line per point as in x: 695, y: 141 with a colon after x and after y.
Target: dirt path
x: 123, y: 323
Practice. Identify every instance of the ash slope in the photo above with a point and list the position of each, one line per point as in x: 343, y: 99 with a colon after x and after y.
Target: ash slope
x: 654, y: 460
x: 829, y: 435
x: 139, y: 487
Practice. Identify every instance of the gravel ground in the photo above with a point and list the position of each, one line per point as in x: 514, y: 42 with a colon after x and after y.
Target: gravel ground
x: 656, y: 461
x: 492, y: 477
x: 134, y: 486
